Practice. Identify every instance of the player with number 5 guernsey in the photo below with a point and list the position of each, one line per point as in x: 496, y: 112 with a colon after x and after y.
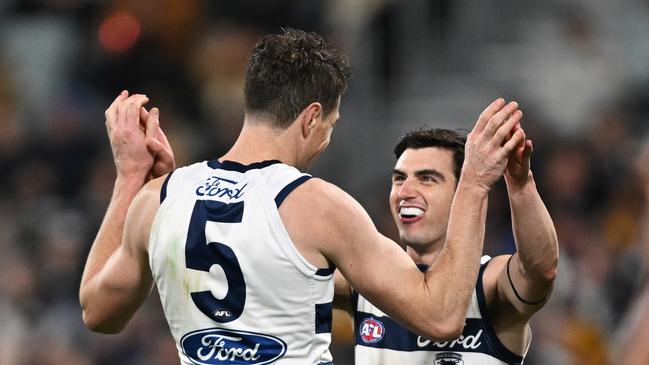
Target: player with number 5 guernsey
x: 242, y: 248
x: 221, y: 219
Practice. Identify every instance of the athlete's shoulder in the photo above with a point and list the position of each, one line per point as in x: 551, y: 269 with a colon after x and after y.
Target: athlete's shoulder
x: 318, y: 196
x: 150, y: 192
x: 327, y: 192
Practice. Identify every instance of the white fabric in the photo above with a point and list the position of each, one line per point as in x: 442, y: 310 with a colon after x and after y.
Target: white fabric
x: 281, y: 286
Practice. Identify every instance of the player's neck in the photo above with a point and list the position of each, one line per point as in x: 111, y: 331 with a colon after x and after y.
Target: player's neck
x: 260, y: 142
x: 424, y: 254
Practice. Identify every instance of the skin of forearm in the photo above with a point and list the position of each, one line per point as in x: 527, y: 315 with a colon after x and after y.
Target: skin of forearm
x: 534, y: 232
x: 109, y: 236
x: 458, y: 265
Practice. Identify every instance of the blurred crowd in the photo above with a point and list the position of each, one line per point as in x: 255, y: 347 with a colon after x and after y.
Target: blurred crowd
x: 580, y: 70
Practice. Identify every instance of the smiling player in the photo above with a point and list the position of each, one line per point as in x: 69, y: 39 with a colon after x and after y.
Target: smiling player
x: 242, y: 247
x: 509, y: 289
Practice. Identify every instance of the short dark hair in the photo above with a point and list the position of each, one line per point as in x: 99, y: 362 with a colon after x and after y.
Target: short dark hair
x: 435, y: 137
x: 288, y: 71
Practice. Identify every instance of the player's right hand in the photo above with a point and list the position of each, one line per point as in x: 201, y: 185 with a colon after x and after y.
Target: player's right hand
x: 127, y: 141
x: 490, y: 143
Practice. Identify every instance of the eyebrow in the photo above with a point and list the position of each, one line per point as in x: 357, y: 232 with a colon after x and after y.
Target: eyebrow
x: 420, y: 173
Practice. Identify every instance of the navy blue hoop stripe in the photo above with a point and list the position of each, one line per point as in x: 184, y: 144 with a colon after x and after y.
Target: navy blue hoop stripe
x: 323, y: 317
x: 163, y: 189
x: 290, y: 187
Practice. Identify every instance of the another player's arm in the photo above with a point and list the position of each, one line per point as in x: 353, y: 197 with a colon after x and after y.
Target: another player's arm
x: 111, y: 296
x: 434, y: 303
x: 527, y: 283
x: 525, y: 279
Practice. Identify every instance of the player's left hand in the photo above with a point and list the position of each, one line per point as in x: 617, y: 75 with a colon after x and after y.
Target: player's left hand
x: 518, y: 161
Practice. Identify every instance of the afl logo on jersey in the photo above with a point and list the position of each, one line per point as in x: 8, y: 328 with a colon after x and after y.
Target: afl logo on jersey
x: 371, y: 330
x: 220, y: 346
x: 222, y: 313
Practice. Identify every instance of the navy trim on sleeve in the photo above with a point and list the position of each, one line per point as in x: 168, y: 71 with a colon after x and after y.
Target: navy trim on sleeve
x: 499, y: 350
x: 163, y: 189
x: 325, y: 271
x: 289, y: 188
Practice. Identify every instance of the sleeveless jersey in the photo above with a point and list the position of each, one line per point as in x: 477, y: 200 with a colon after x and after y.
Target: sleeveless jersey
x: 382, y: 341
x: 234, y: 288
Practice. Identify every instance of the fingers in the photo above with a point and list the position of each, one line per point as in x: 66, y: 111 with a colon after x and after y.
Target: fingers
x: 160, y: 136
x: 111, y: 112
x: 508, y: 127
x: 164, y: 158
x: 517, y: 138
x: 528, y: 149
x: 144, y: 116
x: 128, y: 111
x: 158, y: 144
x: 488, y: 113
x: 152, y: 122
x: 501, y: 117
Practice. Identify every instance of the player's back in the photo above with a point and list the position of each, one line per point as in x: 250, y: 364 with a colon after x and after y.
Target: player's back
x: 234, y: 288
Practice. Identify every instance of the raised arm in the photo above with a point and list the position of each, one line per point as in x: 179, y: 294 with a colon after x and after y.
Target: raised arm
x: 139, y: 155
x: 433, y: 304
x: 525, y: 280
x: 110, y: 298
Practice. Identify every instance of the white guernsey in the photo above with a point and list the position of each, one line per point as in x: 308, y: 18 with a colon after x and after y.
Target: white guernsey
x: 217, y: 222
x: 380, y: 340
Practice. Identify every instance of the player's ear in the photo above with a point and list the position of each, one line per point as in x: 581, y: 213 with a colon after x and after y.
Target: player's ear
x: 309, y: 117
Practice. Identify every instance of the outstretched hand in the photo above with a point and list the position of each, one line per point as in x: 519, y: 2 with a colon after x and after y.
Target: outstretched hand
x: 491, y: 141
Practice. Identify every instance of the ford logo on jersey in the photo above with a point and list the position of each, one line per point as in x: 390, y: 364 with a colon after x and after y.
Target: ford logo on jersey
x: 220, y: 346
x: 220, y: 187
x: 371, y: 330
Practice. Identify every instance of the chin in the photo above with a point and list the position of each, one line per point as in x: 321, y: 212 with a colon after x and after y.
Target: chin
x: 410, y: 240
x: 416, y: 240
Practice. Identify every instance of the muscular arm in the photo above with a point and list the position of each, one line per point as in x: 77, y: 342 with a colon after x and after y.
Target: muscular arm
x: 533, y: 267
x: 516, y: 287
x: 110, y: 294
x: 434, y: 303
x: 115, y: 263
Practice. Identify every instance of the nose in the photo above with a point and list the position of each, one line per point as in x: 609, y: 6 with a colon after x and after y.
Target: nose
x: 407, y: 189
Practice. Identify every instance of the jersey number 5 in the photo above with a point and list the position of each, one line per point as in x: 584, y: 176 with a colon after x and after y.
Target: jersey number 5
x: 201, y: 255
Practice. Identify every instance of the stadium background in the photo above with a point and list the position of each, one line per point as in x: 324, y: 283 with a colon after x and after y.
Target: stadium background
x: 580, y: 70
